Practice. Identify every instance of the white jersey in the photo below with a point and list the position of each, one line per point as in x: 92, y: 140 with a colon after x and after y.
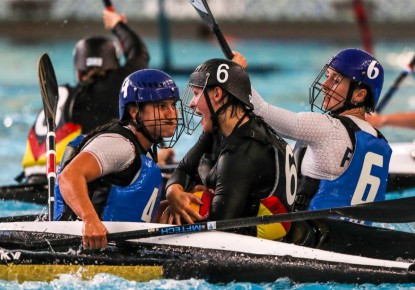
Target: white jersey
x: 326, y: 137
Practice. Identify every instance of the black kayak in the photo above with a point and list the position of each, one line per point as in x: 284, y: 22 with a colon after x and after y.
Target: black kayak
x: 37, y: 192
x: 354, y: 239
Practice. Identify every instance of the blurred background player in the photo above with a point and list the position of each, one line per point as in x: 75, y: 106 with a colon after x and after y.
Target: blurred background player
x: 93, y: 101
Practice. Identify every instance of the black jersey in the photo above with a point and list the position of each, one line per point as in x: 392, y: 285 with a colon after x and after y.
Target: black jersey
x: 246, y: 168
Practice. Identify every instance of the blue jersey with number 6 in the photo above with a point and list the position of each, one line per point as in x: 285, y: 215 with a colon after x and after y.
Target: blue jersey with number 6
x: 365, y: 179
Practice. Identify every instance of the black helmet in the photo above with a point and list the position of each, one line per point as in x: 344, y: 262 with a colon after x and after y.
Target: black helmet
x: 226, y: 74
x: 96, y: 51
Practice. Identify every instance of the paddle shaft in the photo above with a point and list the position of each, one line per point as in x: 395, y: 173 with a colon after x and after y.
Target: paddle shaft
x: 385, y: 100
x: 51, y: 164
x: 390, y: 211
x: 203, y: 10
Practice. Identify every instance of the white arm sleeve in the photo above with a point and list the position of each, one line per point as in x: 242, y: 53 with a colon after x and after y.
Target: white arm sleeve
x: 113, y: 152
x: 326, y: 137
x: 307, y: 127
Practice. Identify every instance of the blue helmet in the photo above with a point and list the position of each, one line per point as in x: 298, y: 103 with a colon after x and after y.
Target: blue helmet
x: 360, y: 67
x: 147, y: 85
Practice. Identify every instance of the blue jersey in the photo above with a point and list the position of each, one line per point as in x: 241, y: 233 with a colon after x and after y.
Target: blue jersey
x: 365, y: 179
x: 138, y: 201
x: 130, y: 195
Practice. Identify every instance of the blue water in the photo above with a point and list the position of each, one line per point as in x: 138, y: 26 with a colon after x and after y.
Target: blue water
x: 298, y: 63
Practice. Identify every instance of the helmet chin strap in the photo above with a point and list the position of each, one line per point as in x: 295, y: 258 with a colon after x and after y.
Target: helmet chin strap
x: 214, y: 117
x: 347, y: 104
x: 140, y: 127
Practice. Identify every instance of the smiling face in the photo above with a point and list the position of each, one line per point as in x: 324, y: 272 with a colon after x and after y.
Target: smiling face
x: 160, y: 118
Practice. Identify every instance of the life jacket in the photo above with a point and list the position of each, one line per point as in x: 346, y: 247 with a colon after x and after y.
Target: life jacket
x: 34, y: 159
x: 139, y: 201
x: 364, y: 180
x: 130, y: 195
x: 281, y: 198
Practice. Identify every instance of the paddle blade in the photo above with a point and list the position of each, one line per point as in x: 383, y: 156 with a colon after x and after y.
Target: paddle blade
x: 203, y: 10
x: 48, y: 86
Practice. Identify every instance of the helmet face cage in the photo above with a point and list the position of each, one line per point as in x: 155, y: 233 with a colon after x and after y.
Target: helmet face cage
x: 191, y: 119
x: 155, y: 126
x: 153, y: 86
x: 169, y: 142
x: 321, y: 96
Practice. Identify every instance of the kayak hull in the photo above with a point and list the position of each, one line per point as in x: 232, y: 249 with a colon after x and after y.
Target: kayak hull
x: 217, y: 257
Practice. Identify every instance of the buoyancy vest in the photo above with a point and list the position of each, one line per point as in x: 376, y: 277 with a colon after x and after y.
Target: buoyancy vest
x: 281, y: 197
x: 130, y: 195
x: 138, y: 201
x: 364, y: 180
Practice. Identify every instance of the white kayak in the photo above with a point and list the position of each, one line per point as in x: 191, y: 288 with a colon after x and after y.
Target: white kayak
x: 215, y: 256
x: 403, y: 158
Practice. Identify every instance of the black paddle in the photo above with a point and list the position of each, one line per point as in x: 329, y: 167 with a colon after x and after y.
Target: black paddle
x: 384, y: 101
x: 203, y: 9
x: 49, y: 91
x: 389, y: 211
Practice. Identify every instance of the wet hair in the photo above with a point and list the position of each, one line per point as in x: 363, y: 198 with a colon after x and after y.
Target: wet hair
x: 232, y: 101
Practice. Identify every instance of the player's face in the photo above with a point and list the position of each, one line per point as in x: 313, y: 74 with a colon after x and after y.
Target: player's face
x: 335, y: 89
